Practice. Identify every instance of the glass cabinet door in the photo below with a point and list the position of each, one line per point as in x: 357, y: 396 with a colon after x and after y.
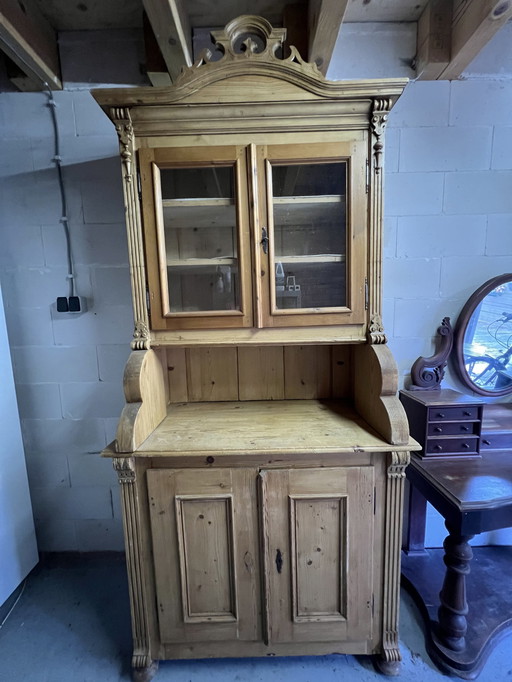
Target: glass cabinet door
x: 316, y: 217
x: 200, y: 210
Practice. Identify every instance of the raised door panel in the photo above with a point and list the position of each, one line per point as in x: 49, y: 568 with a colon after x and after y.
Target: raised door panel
x: 318, y: 535
x: 204, y: 546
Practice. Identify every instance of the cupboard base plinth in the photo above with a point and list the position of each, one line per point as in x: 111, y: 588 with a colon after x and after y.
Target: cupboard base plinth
x: 146, y: 673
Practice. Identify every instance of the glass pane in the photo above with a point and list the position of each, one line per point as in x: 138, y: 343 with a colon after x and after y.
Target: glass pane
x: 488, y: 341
x: 310, y: 235
x: 200, y: 238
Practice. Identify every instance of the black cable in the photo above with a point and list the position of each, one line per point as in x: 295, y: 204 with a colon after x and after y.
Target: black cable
x: 64, y: 219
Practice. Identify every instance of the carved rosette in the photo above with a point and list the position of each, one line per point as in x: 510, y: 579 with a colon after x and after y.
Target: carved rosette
x: 123, y: 123
x: 376, y: 334
x: 380, y: 112
x: 397, y: 464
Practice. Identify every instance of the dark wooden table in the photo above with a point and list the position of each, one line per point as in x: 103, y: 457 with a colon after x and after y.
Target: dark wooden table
x: 474, y: 605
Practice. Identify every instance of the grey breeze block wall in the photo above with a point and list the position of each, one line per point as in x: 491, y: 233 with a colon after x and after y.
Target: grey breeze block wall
x: 448, y: 228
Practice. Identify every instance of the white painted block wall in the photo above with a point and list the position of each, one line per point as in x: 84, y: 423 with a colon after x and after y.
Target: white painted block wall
x: 448, y: 228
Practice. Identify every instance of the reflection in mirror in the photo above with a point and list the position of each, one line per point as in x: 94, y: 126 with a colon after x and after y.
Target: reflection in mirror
x: 485, y: 339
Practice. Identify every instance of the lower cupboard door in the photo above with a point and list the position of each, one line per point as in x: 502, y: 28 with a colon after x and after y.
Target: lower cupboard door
x: 318, y: 546
x: 204, y: 535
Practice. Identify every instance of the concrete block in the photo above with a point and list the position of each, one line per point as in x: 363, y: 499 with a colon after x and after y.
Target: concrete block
x: 392, y: 150
x: 22, y: 246
x: 441, y: 235
x: 29, y: 326
x: 422, y: 318
x: 502, y: 149
x: 91, y: 244
x: 38, y: 401
x: 100, y: 536
x: 116, y: 501
x: 111, y: 428
x: 499, y: 236
x: 89, y: 117
x: 79, y: 502
x: 92, y: 399
x: 388, y: 315
x: 478, y: 192
x: 26, y: 113
x: 411, y: 277
x: 460, y: 276
x: 413, y: 193
x: 113, y: 325
x: 63, y: 436
x: 47, y: 470
x: 91, y: 469
x: 16, y: 155
x: 40, y: 364
x: 76, y: 150
x: 423, y: 103
x: 445, y: 149
x: 55, y: 535
x: 112, y: 361
x: 111, y: 286
x: 102, y: 193
x: 480, y: 102
x: 389, y: 237
x: 406, y: 351
x: 39, y: 287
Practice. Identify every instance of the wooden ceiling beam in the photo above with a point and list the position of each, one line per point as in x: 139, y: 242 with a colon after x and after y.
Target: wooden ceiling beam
x: 324, y: 22
x: 30, y: 42
x: 171, y: 27
x: 474, y: 23
x: 434, y: 40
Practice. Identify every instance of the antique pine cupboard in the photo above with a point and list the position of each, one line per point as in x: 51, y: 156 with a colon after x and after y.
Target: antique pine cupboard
x: 262, y: 448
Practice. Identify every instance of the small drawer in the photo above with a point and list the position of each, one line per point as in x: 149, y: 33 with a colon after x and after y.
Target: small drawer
x: 452, y: 428
x: 497, y: 441
x: 452, y: 413
x: 451, y: 446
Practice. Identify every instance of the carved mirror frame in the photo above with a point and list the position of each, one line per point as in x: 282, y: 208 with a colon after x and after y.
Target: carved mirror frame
x: 461, y: 327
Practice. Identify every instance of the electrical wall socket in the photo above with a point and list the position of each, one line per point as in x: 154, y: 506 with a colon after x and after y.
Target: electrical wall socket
x: 68, y: 306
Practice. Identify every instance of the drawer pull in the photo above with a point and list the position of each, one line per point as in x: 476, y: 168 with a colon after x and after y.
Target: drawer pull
x: 438, y: 447
x: 487, y: 442
x: 466, y: 446
x: 466, y: 413
x: 464, y: 428
x: 440, y: 415
x: 438, y: 429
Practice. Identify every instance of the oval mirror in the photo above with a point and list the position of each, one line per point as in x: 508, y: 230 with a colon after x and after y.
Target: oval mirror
x: 483, y: 339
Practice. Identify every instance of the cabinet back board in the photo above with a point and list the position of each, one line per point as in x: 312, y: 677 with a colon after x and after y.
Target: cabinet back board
x: 258, y: 373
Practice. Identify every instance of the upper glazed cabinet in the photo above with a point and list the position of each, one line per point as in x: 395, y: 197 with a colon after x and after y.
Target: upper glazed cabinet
x: 253, y: 194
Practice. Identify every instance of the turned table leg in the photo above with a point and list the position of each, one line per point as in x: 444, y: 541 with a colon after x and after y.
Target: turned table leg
x: 454, y: 607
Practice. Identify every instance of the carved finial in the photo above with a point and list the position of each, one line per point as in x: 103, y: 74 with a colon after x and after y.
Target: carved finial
x: 427, y: 373
x: 248, y: 38
x: 124, y: 129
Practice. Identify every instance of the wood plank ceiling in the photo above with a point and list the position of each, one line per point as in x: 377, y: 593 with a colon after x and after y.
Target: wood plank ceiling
x: 450, y: 33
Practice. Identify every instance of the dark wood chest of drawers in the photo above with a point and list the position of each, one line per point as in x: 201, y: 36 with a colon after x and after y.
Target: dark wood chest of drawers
x: 444, y: 422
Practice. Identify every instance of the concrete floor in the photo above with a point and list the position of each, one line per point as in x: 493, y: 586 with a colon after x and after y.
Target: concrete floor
x: 72, y: 624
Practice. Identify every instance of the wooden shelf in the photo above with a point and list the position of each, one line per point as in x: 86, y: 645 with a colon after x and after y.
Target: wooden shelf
x: 295, y: 211
x: 199, y: 213
x: 312, y: 259
x: 284, y: 427
x: 199, y: 263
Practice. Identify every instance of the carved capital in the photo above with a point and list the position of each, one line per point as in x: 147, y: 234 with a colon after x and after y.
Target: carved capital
x: 376, y: 334
x: 398, y: 464
x: 125, y: 468
x: 141, y: 337
x: 380, y: 112
x: 124, y: 129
